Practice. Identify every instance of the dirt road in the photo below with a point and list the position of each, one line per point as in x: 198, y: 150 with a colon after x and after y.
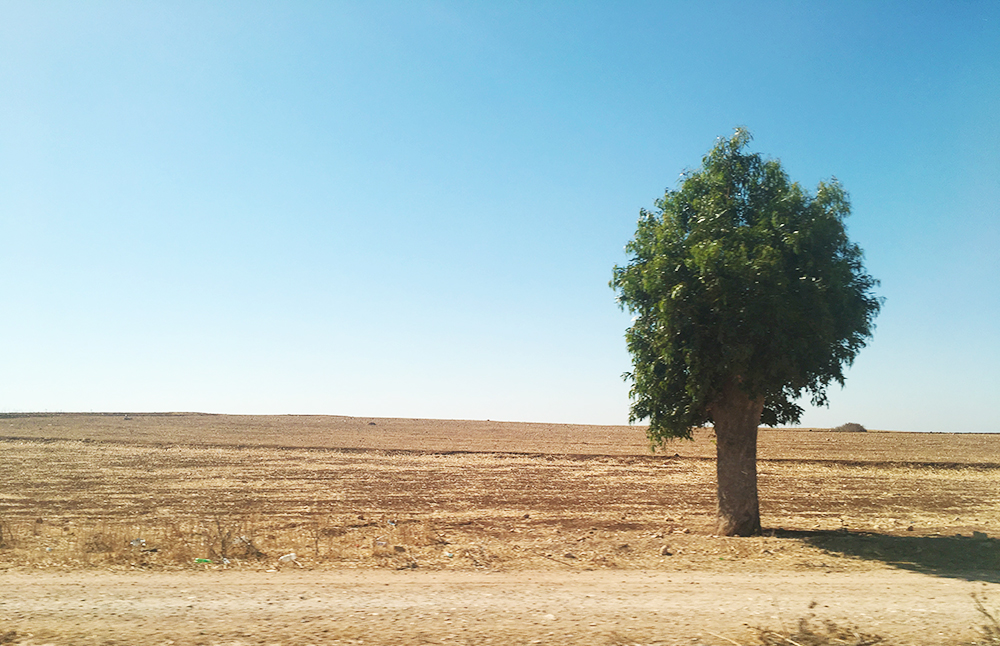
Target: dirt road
x: 442, y: 607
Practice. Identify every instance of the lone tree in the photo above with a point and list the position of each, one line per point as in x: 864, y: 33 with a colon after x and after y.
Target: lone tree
x: 746, y: 294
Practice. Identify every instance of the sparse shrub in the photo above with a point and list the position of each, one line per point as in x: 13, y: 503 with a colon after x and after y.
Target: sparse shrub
x: 245, y: 548
x: 175, y: 543
x: 98, y: 542
x: 850, y: 427
x: 231, y: 535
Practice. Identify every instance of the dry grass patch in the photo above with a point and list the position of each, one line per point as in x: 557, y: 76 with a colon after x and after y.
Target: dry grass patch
x: 74, y: 503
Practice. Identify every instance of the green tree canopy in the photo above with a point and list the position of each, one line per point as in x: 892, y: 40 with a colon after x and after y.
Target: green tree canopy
x: 747, y: 294
x: 741, y: 273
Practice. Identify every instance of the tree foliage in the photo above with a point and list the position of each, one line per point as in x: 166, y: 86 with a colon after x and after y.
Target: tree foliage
x: 741, y: 275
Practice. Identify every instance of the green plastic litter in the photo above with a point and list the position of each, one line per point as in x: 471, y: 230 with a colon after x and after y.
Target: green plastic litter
x: 203, y: 560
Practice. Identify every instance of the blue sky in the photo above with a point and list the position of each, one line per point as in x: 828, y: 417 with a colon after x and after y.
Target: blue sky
x: 413, y: 208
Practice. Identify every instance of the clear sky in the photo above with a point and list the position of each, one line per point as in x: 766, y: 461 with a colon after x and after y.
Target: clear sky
x: 412, y: 209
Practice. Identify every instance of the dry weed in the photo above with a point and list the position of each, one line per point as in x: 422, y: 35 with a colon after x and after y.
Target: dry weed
x: 991, y: 629
x: 6, y: 533
x: 828, y: 634
x: 250, y: 505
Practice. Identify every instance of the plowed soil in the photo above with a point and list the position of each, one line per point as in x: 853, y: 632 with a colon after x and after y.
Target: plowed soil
x: 108, y: 522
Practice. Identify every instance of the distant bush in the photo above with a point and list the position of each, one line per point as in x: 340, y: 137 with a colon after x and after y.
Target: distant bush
x: 850, y: 427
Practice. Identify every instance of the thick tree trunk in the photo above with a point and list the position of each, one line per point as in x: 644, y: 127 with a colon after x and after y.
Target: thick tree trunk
x: 736, y: 417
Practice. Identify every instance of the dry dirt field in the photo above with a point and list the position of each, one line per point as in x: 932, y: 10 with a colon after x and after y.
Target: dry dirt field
x: 168, y: 529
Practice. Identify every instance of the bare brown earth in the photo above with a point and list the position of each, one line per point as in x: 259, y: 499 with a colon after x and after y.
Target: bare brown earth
x: 422, y: 531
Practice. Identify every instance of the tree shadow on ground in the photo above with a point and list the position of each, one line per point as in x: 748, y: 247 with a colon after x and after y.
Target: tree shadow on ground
x: 963, y: 557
